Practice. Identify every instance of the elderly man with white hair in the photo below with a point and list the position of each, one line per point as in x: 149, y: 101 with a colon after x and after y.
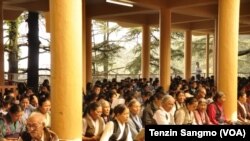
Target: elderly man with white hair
x: 36, y: 130
x: 163, y: 116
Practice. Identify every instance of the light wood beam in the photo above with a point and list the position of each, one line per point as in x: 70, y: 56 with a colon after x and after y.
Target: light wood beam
x: 110, y: 10
x: 38, y: 5
x: 189, y: 3
x: 202, y: 25
x: 245, y: 29
x: 180, y: 18
x: 244, y: 9
x: 11, y: 14
x: 201, y: 11
x: 150, y: 3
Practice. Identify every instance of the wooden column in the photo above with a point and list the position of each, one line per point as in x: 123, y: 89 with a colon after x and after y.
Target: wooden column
x: 188, y: 54
x: 207, y: 55
x: 88, y: 50
x: 84, y: 44
x: 165, y: 47
x: 215, y: 52
x: 228, y: 24
x: 66, y: 75
x: 47, y: 19
x: 145, y: 59
x: 1, y: 46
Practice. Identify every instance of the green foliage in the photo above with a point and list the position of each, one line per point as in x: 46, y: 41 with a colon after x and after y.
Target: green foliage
x: 199, y: 48
x: 11, y: 46
x: 134, y: 66
x: 134, y: 35
x: 244, y: 63
x: 105, y: 51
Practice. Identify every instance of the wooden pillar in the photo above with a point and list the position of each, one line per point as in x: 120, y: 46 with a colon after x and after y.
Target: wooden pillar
x: 88, y: 50
x: 188, y: 54
x: 1, y: 46
x: 228, y: 24
x: 145, y: 59
x: 215, y: 53
x: 207, y: 55
x: 84, y: 46
x: 165, y: 47
x: 66, y: 75
x: 47, y: 19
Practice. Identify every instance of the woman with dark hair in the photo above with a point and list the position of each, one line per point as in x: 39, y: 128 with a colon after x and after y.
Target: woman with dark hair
x: 34, y: 101
x: 11, y: 124
x: 27, y: 108
x: 118, y: 129
x: 93, y: 124
x: 180, y: 101
x: 152, y: 106
x: 44, y: 106
x: 215, y: 110
x: 6, y: 104
x: 185, y: 115
x: 242, y: 113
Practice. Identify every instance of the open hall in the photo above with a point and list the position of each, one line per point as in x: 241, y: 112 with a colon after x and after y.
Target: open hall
x: 69, y: 23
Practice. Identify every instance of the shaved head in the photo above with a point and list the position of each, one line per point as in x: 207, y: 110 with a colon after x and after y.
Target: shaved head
x: 35, y: 125
x: 36, y: 117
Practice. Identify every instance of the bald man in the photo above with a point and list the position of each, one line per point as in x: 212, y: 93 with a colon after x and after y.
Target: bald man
x: 36, y: 130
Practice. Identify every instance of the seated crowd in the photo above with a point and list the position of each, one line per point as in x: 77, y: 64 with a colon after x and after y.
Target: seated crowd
x: 120, y: 110
x: 26, y: 116
x: 144, y: 102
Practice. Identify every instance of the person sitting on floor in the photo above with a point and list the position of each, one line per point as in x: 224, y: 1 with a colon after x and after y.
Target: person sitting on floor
x: 93, y: 124
x: 36, y: 129
x: 118, y: 129
x: 215, y: 110
x: 11, y: 124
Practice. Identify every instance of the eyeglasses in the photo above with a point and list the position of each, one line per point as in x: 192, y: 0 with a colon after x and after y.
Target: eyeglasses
x: 33, y: 126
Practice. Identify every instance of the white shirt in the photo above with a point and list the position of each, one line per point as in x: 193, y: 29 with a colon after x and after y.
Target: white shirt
x: 162, y: 117
x: 27, y: 111
x: 108, y: 131
x: 48, y: 120
x: 3, y: 112
x: 198, y: 70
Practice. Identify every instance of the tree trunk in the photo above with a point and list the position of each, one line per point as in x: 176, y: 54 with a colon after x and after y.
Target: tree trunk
x: 13, y: 54
x: 33, y: 50
x: 106, y: 66
x: 106, y: 46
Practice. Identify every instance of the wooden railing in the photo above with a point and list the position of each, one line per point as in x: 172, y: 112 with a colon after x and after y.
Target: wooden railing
x: 8, y: 87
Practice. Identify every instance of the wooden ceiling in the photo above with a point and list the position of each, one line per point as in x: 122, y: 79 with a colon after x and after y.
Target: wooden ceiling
x: 196, y: 15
